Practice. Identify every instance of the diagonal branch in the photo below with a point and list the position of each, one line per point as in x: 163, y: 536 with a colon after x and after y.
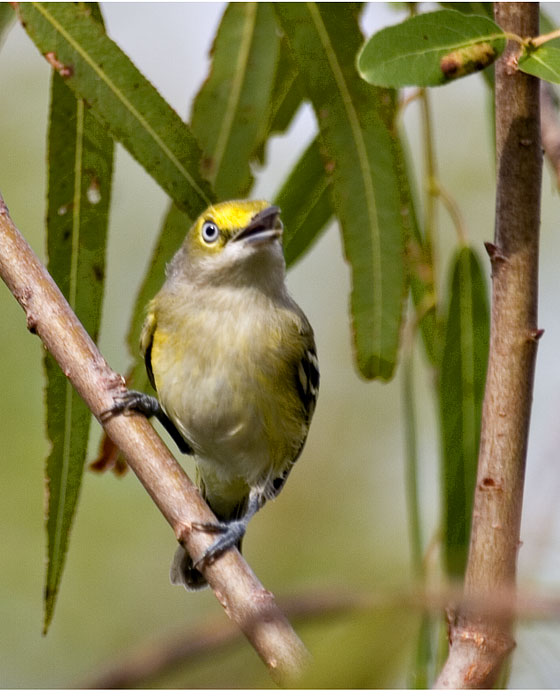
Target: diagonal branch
x: 49, y: 315
x: 480, y: 643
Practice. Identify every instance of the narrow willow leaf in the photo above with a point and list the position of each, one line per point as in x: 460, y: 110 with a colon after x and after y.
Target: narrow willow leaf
x: 461, y: 390
x: 430, y: 49
x: 119, y: 95
x: 286, y: 94
x: 420, y: 266
x: 544, y: 63
x: 358, y: 149
x: 286, y: 98
x: 79, y: 188
x: 231, y: 111
x: 305, y: 204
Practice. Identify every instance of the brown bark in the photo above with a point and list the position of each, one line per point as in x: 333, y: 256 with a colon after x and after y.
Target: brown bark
x: 479, y: 643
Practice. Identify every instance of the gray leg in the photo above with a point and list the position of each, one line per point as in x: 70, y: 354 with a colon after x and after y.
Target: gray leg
x: 230, y: 533
x: 148, y: 406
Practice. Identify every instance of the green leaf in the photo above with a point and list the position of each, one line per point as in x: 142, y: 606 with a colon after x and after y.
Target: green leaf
x: 287, y: 94
x: 79, y: 189
x: 117, y: 93
x: 231, y: 112
x: 430, y: 49
x: 544, y: 63
x: 461, y: 390
x: 418, y: 256
x: 359, y: 151
x: 305, y: 204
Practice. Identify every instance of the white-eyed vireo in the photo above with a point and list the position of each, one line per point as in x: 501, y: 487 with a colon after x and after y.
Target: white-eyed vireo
x: 233, y: 360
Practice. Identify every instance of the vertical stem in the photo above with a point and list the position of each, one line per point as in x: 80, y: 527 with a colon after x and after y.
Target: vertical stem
x: 415, y: 526
x: 430, y: 177
x: 423, y: 656
x: 479, y: 643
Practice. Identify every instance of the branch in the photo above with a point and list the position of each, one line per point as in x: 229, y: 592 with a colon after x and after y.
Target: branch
x: 479, y: 643
x: 155, y: 658
x: 238, y: 590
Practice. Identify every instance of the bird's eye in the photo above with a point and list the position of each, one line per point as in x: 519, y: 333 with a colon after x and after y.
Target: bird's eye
x: 210, y: 232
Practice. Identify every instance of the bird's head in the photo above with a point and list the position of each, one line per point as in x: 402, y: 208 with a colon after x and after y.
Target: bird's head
x: 237, y: 242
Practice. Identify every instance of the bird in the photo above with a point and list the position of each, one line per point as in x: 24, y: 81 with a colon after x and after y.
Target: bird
x: 233, y: 361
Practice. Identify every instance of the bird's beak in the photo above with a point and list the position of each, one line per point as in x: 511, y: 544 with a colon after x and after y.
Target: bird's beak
x: 265, y: 225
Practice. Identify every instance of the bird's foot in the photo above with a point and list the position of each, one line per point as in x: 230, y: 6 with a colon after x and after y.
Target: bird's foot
x: 133, y: 402
x: 137, y: 402
x: 230, y: 535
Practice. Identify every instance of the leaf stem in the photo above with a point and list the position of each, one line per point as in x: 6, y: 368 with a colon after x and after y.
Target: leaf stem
x: 450, y: 203
x: 411, y: 450
x: 430, y: 177
x: 542, y: 39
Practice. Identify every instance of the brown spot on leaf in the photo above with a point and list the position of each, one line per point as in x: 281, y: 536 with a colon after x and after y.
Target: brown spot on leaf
x: 63, y: 70
x: 467, y: 60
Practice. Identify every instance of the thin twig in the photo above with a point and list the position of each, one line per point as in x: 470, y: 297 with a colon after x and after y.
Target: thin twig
x: 238, y: 590
x: 544, y: 38
x: 480, y: 643
x: 157, y: 657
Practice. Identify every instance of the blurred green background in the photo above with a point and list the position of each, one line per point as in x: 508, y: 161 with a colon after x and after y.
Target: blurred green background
x: 341, y: 522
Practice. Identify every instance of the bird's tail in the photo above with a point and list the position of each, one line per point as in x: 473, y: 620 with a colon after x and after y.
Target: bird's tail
x: 183, y: 573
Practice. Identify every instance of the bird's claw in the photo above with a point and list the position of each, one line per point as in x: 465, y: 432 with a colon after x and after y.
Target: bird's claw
x: 130, y: 402
x: 229, y: 536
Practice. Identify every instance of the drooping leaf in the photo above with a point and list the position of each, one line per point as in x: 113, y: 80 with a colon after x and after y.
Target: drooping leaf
x: 305, y: 204
x: 80, y: 156
x: 286, y: 98
x: 418, y: 256
x: 544, y: 63
x: 461, y: 390
x: 96, y: 69
x: 430, y: 49
x: 231, y: 111
x: 358, y: 145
